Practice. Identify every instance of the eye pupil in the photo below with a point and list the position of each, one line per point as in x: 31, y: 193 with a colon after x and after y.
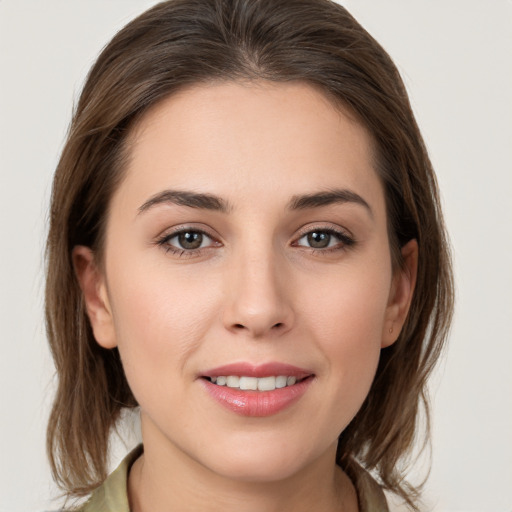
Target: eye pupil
x: 190, y: 240
x: 319, y: 239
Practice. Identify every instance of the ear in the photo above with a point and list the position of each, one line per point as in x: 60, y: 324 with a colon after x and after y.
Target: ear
x: 400, y: 297
x: 94, y: 289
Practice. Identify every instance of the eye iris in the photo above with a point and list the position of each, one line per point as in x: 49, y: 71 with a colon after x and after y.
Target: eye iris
x: 190, y: 240
x: 319, y: 239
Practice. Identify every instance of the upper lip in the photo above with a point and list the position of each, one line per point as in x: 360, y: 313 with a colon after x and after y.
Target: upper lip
x: 260, y: 370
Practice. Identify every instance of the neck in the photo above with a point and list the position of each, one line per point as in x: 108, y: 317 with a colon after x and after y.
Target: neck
x: 165, y: 478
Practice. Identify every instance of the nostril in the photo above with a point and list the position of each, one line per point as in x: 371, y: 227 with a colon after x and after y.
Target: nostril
x: 239, y: 326
x: 278, y: 325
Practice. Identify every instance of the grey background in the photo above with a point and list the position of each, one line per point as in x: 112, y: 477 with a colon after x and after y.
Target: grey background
x: 456, y: 59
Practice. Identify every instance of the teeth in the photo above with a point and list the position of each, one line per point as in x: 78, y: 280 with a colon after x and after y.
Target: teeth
x: 281, y: 381
x: 232, y: 381
x: 249, y: 383
x: 254, y: 383
x: 267, y: 384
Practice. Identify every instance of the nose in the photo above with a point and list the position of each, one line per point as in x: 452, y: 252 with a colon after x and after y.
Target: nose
x: 259, y: 297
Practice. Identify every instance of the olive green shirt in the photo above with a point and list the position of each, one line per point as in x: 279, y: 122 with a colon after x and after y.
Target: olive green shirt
x: 112, y: 496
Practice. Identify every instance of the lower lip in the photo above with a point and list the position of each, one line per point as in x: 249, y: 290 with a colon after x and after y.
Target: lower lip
x: 257, y: 403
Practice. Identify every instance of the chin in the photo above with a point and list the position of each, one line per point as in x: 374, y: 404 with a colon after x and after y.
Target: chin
x: 251, y: 471
x: 265, y: 461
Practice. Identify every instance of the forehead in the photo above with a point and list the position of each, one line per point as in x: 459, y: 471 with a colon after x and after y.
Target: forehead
x: 256, y: 138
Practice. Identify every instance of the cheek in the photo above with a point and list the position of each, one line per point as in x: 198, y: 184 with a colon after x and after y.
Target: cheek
x: 348, y: 308
x: 346, y: 322
x: 160, y: 320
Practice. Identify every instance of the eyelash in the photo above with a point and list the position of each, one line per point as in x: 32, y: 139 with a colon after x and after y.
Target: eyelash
x: 182, y: 253
x: 346, y: 241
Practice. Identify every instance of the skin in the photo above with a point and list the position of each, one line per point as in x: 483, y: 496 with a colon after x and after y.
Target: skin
x: 256, y: 291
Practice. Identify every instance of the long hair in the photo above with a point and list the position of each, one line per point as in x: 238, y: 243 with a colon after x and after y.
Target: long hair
x: 183, y: 42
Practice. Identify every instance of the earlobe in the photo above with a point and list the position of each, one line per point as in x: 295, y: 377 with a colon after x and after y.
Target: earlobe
x: 402, y: 290
x: 94, y: 290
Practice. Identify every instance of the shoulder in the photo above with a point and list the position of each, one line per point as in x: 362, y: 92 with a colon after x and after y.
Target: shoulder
x: 369, y: 493
x: 112, y: 495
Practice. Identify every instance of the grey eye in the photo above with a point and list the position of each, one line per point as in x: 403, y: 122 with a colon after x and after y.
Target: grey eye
x: 189, y: 240
x: 319, y: 239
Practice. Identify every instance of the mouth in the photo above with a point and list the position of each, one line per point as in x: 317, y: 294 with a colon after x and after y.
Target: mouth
x: 247, y: 383
x: 262, y: 390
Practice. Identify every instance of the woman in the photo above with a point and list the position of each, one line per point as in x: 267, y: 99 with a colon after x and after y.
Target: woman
x: 246, y: 231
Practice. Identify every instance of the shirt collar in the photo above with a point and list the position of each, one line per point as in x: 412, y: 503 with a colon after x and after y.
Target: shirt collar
x: 112, y: 496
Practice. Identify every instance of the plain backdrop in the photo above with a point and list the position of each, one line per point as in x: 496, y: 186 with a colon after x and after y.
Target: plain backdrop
x: 456, y: 60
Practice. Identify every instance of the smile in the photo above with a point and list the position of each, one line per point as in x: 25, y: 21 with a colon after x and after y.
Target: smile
x: 246, y: 383
x: 257, y: 391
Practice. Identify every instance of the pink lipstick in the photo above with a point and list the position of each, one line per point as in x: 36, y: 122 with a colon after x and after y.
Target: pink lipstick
x: 256, y: 391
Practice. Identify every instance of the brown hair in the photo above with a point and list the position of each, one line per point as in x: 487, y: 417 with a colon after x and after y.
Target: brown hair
x: 183, y: 42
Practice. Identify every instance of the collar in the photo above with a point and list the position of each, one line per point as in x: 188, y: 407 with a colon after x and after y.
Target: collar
x: 112, y: 495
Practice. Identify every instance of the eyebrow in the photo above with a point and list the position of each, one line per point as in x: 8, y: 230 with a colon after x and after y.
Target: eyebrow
x: 333, y: 196
x: 215, y: 203
x: 186, y: 198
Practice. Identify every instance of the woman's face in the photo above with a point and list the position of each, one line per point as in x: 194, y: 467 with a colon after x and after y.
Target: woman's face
x: 249, y: 232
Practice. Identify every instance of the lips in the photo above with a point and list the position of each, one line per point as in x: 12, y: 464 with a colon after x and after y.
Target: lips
x: 259, y: 371
x: 256, y: 391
